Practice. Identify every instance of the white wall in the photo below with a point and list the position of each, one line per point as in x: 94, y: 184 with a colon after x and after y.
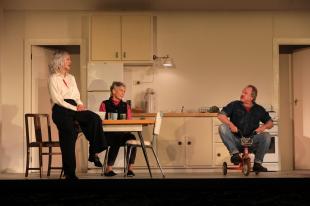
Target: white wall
x: 216, y: 55
x: 21, y: 26
x: 1, y: 61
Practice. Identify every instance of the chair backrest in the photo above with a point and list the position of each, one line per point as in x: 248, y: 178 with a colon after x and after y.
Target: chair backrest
x: 37, y: 120
x: 158, y: 121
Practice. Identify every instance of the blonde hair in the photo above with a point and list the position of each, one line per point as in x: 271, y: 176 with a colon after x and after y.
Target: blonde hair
x: 57, y: 61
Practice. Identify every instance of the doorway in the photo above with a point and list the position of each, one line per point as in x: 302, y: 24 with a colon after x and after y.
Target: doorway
x: 39, y: 94
x: 294, y: 79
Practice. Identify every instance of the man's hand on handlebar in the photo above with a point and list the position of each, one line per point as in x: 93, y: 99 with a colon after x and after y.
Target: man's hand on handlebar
x: 260, y: 129
x: 233, y: 128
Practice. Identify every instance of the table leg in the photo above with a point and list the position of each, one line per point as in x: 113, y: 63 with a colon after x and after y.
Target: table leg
x: 144, y: 152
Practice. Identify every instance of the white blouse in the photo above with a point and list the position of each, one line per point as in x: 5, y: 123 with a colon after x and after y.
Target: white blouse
x: 64, y: 87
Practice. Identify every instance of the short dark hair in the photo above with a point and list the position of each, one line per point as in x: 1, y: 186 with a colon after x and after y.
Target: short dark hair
x: 116, y: 84
x: 254, y: 91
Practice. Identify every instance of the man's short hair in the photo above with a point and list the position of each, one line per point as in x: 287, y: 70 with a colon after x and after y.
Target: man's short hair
x: 254, y: 91
x: 116, y: 84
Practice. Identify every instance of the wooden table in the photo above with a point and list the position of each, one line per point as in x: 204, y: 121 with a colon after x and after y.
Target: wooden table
x: 130, y: 126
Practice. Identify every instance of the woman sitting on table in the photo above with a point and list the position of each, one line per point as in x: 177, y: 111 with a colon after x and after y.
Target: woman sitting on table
x: 117, y: 139
x: 69, y: 109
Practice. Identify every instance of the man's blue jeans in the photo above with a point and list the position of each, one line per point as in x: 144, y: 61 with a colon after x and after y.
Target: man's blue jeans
x: 261, y: 143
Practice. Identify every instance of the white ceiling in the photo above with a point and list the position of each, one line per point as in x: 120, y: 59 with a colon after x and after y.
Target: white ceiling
x: 157, y: 5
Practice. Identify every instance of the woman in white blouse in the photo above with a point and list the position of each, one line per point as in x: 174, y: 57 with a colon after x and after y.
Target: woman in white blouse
x: 69, y: 109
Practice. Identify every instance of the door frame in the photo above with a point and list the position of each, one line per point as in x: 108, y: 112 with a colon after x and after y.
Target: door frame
x: 276, y: 77
x: 28, y: 43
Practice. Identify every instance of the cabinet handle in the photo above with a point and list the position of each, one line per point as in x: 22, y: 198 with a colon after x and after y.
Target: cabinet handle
x: 218, y: 154
x: 124, y: 54
x: 189, y: 143
x: 116, y: 54
x: 179, y: 143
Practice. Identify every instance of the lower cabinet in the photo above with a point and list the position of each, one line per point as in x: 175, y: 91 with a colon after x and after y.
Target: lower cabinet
x: 198, y: 141
x: 171, y: 142
x: 194, y: 142
x: 184, y: 142
x: 220, y: 152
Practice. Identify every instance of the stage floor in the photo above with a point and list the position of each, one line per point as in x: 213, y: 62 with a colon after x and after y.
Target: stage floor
x: 168, y: 175
x: 207, y: 188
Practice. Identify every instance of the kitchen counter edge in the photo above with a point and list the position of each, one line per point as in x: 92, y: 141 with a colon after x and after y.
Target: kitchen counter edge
x: 177, y: 114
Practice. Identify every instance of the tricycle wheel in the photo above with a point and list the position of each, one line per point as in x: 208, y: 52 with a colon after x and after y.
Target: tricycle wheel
x: 246, y: 166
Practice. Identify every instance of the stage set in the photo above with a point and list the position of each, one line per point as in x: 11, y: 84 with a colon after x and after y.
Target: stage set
x: 277, y: 188
x: 149, y: 187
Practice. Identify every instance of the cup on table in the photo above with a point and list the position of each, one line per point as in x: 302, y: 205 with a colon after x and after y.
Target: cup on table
x: 122, y: 116
x: 112, y: 116
x: 101, y: 115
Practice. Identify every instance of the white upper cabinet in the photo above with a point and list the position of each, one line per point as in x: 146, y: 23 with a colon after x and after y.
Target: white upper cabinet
x: 105, y: 38
x: 126, y: 38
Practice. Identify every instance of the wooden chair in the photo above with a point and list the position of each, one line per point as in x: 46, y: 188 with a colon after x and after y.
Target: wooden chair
x: 148, y: 144
x: 39, y: 142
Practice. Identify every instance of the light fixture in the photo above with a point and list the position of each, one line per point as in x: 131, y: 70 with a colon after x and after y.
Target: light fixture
x: 163, y: 61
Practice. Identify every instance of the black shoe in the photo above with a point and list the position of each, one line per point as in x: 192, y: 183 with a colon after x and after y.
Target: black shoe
x: 95, y: 159
x: 110, y: 173
x: 259, y: 168
x: 235, y: 159
x: 130, y: 173
x: 71, y: 177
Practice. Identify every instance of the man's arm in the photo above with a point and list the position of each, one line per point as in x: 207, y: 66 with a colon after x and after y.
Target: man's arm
x: 267, y: 125
x: 224, y: 119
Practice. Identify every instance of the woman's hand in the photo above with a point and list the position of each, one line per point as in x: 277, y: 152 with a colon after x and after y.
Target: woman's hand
x: 80, y: 107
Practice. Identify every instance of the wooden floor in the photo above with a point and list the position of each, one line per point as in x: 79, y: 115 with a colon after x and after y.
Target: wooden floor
x: 197, y: 188
x: 216, y: 174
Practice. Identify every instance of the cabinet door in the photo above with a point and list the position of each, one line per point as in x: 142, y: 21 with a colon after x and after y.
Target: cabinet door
x: 136, y: 38
x: 105, y: 37
x: 198, y: 141
x: 220, y: 155
x: 171, y: 145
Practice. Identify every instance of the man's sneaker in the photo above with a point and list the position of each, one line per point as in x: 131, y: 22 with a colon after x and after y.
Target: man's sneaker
x: 259, y: 168
x: 235, y: 159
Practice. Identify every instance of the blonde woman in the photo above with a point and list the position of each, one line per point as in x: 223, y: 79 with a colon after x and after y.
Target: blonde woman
x: 67, y: 109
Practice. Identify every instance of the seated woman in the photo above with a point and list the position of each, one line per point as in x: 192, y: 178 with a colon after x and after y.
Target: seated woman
x: 69, y: 109
x: 116, y: 139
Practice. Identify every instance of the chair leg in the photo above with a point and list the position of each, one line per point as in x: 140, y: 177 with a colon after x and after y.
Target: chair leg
x: 157, y: 160
x: 61, y: 173
x: 104, y: 166
x: 125, y: 158
x: 129, y: 148
x: 40, y: 161
x: 49, y: 161
x: 27, y: 162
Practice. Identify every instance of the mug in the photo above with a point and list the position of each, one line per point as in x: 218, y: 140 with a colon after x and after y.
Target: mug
x: 112, y: 116
x: 122, y: 116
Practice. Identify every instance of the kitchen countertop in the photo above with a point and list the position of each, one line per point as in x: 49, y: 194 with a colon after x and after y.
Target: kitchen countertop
x: 177, y: 114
